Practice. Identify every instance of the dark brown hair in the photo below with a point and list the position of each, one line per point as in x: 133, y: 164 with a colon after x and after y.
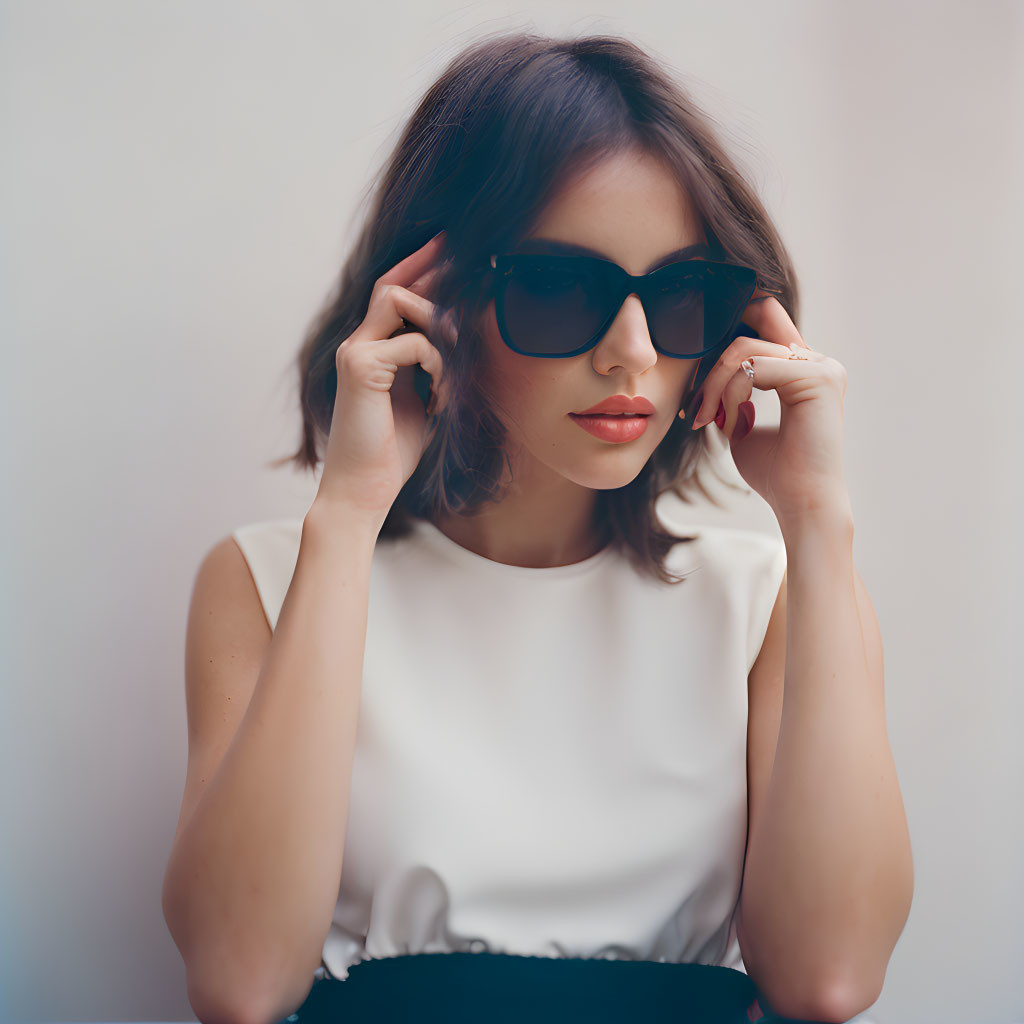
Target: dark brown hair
x: 507, y: 122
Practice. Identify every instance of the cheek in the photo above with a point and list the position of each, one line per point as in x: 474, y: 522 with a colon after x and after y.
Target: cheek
x: 527, y: 389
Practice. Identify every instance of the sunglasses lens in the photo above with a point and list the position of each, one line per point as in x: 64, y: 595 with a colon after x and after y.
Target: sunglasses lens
x: 680, y: 313
x: 691, y: 308
x: 551, y: 308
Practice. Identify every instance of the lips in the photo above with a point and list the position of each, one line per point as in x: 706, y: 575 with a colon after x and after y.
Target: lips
x: 612, y: 428
x: 619, y: 405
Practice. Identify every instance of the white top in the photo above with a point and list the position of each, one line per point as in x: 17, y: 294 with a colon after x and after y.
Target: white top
x: 548, y: 762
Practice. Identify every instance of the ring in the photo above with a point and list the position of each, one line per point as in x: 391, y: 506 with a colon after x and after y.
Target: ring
x: 748, y: 368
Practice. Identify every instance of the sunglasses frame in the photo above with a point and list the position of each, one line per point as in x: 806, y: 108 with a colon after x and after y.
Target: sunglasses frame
x: 623, y: 284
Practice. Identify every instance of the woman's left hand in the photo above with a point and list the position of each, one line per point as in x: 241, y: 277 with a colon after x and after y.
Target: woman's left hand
x: 798, y: 467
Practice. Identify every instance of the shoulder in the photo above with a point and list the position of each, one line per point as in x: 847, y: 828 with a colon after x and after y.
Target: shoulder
x: 270, y: 551
x: 277, y: 535
x: 738, y: 553
x: 224, y: 585
x: 269, y: 542
x: 741, y: 570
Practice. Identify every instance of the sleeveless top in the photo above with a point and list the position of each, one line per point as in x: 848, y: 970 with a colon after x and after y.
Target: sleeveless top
x: 549, y: 761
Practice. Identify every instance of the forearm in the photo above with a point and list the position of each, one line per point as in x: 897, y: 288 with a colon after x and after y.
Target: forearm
x: 251, y: 886
x: 829, y: 877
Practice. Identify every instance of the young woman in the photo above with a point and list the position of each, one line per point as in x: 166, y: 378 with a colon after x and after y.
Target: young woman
x: 482, y: 737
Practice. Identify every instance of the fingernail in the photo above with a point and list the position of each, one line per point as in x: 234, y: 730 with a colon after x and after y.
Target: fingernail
x: 720, y: 416
x: 746, y: 421
x: 696, y: 402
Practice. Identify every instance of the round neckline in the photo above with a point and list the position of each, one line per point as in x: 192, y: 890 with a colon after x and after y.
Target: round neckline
x: 444, y: 543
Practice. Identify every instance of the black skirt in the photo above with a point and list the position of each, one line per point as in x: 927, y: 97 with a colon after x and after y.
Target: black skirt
x: 499, y: 988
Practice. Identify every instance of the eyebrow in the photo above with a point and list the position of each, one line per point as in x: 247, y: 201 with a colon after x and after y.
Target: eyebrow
x: 549, y: 245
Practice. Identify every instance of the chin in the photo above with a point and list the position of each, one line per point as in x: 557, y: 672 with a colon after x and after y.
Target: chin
x: 608, y: 471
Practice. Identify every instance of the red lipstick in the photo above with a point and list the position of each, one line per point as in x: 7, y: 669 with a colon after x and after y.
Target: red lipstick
x: 638, y: 406
x: 619, y: 418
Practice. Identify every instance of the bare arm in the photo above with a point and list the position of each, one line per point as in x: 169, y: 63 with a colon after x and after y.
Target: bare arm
x: 253, y: 876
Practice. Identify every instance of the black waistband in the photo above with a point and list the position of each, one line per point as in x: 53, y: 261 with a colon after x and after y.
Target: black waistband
x: 498, y: 988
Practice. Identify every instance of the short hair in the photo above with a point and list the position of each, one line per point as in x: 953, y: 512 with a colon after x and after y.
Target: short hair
x: 509, y: 119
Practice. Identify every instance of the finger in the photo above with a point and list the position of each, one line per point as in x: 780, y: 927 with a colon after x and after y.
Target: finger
x: 404, y: 352
x: 389, y: 308
x: 389, y: 305
x: 737, y: 390
x: 724, y: 370
x: 771, y: 372
x: 416, y: 263
x: 422, y: 283
x: 769, y: 318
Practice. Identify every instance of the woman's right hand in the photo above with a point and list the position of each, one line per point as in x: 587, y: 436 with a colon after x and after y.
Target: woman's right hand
x: 379, y: 425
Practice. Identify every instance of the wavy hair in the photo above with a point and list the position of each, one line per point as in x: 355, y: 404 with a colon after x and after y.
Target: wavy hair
x: 510, y: 119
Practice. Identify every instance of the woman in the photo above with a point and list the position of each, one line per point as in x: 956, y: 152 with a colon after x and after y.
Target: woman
x: 489, y: 757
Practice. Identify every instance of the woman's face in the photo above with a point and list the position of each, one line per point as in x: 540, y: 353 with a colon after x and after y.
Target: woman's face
x: 628, y: 209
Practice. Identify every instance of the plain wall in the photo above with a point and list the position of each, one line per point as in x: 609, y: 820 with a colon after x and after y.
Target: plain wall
x: 179, y: 182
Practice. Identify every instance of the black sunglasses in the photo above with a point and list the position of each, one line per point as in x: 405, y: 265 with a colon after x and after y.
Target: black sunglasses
x: 555, y: 306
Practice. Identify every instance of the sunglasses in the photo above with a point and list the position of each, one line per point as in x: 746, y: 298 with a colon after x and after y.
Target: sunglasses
x: 555, y: 306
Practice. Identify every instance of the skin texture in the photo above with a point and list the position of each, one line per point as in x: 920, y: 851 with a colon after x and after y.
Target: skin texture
x: 633, y: 211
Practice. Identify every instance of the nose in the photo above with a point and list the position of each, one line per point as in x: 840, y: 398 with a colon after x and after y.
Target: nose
x: 627, y: 342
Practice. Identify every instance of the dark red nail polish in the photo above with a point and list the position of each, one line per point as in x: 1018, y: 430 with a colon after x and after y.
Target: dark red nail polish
x: 746, y: 421
x: 720, y: 416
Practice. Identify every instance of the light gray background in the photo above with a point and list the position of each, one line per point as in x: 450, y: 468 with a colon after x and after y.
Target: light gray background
x: 178, y: 186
